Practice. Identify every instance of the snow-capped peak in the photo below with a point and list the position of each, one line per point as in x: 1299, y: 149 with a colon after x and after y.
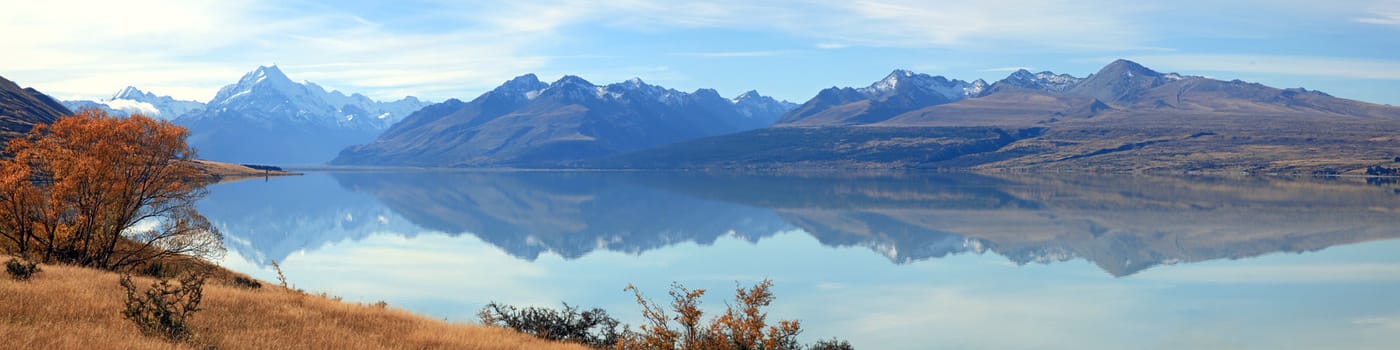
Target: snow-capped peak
x: 264, y: 73
x: 891, y: 81
x: 951, y: 89
x: 569, y: 80
x: 527, y: 82
x: 975, y: 88
x: 747, y: 95
x: 1044, y: 80
x: 131, y: 93
x: 1022, y: 74
x: 277, y: 98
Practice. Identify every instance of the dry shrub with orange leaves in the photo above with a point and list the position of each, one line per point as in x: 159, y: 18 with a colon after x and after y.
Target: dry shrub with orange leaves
x: 100, y: 191
x: 744, y: 324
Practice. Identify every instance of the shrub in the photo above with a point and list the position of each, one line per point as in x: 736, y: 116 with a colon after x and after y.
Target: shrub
x: 162, y: 310
x: 742, y: 326
x: 831, y: 344
x: 245, y: 282
x: 158, y: 269
x: 21, y: 270
x: 591, y: 327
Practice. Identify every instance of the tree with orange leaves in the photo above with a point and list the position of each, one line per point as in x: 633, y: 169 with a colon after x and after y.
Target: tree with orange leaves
x: 101, y: 191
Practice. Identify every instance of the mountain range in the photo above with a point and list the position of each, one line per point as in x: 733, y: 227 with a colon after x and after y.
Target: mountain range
x: 131, y: 100
x: 267, y: 118
x: 23, y: 108
x: 526, y: 122
x: 1125, y: 117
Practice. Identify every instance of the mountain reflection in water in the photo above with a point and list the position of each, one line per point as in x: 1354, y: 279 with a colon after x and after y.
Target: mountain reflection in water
x: 1123, y: 224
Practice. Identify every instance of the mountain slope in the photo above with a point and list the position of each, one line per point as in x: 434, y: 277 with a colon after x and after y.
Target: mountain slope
x: 1125, y: 117
x: 526, y: 122
x: 268, y: 118
x: 131, y: 100
x: 22, y: 108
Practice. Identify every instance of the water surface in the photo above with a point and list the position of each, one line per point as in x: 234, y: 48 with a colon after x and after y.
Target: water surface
x: 907, y: 261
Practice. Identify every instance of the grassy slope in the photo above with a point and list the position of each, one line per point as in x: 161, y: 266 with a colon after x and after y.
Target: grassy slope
x: 76, y: 308
x: 221, y: 170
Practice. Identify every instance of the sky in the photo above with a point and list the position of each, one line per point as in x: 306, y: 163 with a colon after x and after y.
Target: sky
x: 438, y: 49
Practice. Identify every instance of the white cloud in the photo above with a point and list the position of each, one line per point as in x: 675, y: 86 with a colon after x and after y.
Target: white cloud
x: 1391, y: 324
x: 439, y: 49
x: 1311, y: 273
x: 196, y: 47
x: 1383, y: 13
x: 1003, y: 69
x: 1382, y: 19
x: 1332, y: 67
x: 133, y: 106
x: 899, y: 23
x: 732, y: 54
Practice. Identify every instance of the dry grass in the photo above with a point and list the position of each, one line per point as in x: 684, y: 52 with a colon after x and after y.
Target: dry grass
x: 67, y: 307
x: 227, y: 171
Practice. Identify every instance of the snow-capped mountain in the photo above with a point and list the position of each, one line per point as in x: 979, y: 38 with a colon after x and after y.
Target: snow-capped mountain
x: 268, y: 90
x: 763, y: 108
x: 267, y: 118
x: 130, y: 100
x: 901, y: 80
x: 1043, y: 81
x: 899, y: 92
x: 526, y: 121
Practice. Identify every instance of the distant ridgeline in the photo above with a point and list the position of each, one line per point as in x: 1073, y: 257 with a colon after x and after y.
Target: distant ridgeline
x: 23, y: 108
x: 1125, y: 117
x: 528, y: 123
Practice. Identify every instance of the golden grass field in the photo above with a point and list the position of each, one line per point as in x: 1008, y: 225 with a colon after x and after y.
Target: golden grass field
x: 67, y: 307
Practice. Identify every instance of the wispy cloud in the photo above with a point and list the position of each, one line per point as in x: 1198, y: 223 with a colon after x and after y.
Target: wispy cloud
x: 1383, y: 13
x: 439, y: 48
x: 196, y: 47
x: 1387, y: 323
x: 1332, y: 67
x: 1003, y: 69
x: 1382, y: 19
x: 733, y: 54
x: 1312, y: 273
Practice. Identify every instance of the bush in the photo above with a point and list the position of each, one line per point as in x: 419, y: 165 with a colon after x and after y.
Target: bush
x: 245, y: 282
x: 162, y: 310
x: 831, y: 344
x: 743, y: 325
x: 21, y: 270
x: 158, y: 269
x: 592, y: 327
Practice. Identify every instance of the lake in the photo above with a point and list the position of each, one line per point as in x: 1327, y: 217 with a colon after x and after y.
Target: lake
x: 886, y: 261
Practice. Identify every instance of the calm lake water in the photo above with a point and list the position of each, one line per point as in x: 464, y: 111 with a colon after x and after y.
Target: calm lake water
x: 912, y: 261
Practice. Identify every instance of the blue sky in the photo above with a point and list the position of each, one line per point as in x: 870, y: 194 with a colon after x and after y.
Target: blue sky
x: 789, y: 49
